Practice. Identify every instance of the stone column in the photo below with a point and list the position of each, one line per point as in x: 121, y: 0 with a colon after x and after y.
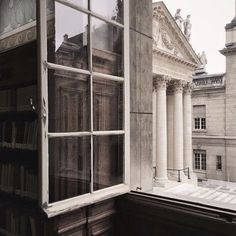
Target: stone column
x: 178, y: 125
x: 161, y: 138
x: 188, y: 127
x: 170, y: 127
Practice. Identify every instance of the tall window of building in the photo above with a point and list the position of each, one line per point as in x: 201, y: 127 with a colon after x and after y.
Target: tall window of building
x: 85, y: 100
x: 218, y: 162
x: 200, y: 160
x: 199, y: 116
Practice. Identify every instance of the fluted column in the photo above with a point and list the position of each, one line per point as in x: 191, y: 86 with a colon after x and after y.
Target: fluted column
x: 170, y: 127
x: 188, y: 127
x: 178, y: 125
x: 161, y: 138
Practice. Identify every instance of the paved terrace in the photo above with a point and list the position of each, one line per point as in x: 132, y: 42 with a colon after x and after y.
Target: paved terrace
x: 212, y: 192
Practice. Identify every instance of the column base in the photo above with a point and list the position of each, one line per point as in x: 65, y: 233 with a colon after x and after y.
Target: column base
x: 161, y: 182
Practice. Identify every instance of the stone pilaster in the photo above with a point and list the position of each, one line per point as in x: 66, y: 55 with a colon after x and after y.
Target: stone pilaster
x: 187, y: 118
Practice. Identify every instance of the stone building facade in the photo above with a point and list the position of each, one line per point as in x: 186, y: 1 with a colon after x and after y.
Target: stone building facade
x: 214, y: 123
x: 174, y: 62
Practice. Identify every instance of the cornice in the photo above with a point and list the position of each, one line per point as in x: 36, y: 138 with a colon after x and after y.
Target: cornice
x: 174, y: 58
x: 228, y: 50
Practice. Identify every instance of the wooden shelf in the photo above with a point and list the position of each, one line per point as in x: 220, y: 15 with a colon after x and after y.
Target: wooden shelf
x: 18, y: 155
x: 18, y: 116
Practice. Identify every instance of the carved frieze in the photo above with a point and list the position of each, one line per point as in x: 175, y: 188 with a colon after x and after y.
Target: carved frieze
x: 208, y: 82
x: 168, y: 37
x: 166, y: 41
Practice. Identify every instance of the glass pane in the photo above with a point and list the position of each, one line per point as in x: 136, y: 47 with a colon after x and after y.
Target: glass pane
x: 69, y: 167
x: 69, y: 101
x: 14, y: 14
x: 108, y: 161
x: 107, y: 105
x: 112, y: 9
x: 107, y: 48
x: 68, y: 45
x: 81, y: 3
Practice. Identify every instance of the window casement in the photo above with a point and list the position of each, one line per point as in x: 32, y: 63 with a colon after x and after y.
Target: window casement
x: 200, y: 123
x: 84, y: 77
x: 199, y: 116
x: 200, y: 160
x: 218, y: 162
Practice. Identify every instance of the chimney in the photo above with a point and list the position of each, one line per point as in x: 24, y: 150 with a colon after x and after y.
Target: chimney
x: 65, y: 37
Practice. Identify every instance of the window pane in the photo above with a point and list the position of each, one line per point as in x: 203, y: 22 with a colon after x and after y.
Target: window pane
x: 107, y: 48
x: 14, y: 14
x: 112, y: 9
x: 81, y: 3
x: 203, y: 161
x: 107, y: 105
x: 69, y: 167
x: 69, y: 101
x: 68, y: 45
x: 203, y: 121
x: 108, y: 161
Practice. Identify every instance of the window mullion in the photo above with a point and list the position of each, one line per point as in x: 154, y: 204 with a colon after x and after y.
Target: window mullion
x: 126, y: 94
x: 91, y: 95
x: 43, y: 101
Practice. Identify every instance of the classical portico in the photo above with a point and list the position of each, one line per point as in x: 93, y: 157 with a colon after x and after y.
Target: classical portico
x: 174, y: 63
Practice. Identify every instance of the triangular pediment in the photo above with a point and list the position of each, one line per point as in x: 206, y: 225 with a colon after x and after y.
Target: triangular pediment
x: 168, y: 38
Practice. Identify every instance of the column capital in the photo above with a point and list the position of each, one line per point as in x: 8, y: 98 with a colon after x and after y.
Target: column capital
x: 160, y: 82
x: 188, y: 88
x: 178, y: 86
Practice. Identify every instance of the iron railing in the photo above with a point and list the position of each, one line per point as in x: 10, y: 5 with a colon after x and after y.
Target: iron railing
x: 185, y: 171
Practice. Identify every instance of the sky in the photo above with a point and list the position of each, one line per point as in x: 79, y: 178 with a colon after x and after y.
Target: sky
x: 208, y: 18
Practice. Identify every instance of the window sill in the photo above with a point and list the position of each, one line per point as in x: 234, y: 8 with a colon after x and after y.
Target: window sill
x: 200, y: 131
x: 200, y: 171
x: 84, y: 200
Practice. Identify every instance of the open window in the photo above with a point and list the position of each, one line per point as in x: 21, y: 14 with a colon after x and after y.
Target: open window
x: 84, y: 80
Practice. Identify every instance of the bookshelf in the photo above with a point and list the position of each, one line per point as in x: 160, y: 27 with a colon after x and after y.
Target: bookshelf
x: 18, y: 142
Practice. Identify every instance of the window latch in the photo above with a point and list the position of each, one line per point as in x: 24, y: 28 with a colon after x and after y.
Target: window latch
x: 44, y: 112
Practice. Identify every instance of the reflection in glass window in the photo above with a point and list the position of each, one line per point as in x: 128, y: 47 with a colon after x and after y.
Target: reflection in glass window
x: 108, y: 161
x: 107, y: 48
x: 112, y: 9
x: 68, y: 45
x: 107, y: 105
x: 14, y: 14
x: 82, y: 104
x: 69, y: 177
x: 81, y: 3
x: 69, y: 102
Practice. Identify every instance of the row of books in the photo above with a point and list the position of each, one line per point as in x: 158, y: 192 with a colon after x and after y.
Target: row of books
x: 13, y: 222
x: 19, y: 180
x: 20, y: 99
x: 19, y: 134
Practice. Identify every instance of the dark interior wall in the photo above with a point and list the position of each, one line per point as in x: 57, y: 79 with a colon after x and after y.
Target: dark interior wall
x: 140, y: 216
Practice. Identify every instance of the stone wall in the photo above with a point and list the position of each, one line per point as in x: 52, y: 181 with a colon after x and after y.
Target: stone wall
x: 214, y: 99
x: 215, y: 110
x: 141, y: 94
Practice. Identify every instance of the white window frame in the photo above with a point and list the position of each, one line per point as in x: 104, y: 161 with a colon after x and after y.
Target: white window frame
x: 56, y: 208
x: 200, y: 123
x: 200, y: 152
